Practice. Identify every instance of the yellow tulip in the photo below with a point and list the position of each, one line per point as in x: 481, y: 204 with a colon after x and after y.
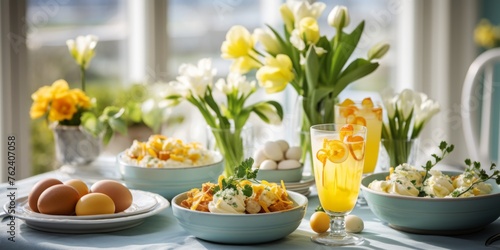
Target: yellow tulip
x: 308, y: 27
x: 287, y: 16
x: 239, y: 42
x: 275, y: 74
x: 63, y: 107
x: 244, y: 64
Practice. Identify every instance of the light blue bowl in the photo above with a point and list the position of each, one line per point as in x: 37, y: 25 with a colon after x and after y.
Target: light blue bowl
x: 169, y: 182
x: 240, y: 228
x: 287, y: 175
x: 442, y: 216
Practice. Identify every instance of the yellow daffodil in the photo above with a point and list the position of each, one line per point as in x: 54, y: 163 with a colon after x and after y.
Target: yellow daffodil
x: 486, y: 35
x: 59, y: 86
x: 276, y: 73
x: 239, y: 43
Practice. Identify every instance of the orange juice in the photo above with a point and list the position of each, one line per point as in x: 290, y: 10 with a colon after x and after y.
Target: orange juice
x: 338, y: 164
x: 366, y: 114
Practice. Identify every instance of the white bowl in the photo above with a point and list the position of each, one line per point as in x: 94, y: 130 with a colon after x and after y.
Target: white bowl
x: 442, y: 216
x: 240, y: 228
x: 169, y: 182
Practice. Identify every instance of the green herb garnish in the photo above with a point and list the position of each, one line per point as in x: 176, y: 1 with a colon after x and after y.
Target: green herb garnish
x: 445, y: 150
x: 242, y: 172
x: 474, y: 169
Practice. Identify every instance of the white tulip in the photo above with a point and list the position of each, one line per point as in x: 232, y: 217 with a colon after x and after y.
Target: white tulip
x: 406, y: 103
x: 197, y: 78
x: 339, y: 17
x: 268, y: 40
x: 236, y: 83
x: 270, y: 113
x: 296, y: 40
x: 301, y: 9
x: 389, y: 101
x: 82, y: 49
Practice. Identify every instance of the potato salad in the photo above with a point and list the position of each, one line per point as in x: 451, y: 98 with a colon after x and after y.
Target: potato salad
x: 409, y: 181
x: 167, y: 152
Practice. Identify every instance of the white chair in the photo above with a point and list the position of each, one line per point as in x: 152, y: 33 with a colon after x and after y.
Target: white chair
x: 477, y: 107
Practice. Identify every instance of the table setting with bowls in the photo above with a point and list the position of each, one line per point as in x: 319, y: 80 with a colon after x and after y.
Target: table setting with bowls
x: 155, y: 189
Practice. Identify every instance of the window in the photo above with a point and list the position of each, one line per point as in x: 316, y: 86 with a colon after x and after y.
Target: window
x: 131, y: 37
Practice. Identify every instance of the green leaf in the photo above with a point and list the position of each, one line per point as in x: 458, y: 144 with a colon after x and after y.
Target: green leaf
x: 344, y: 50
x: 90, y: 123
x: 356, y: 70
x: 247, y: 190
x: 108, y: 134
x: 312, y: 69
x: 118, y: 125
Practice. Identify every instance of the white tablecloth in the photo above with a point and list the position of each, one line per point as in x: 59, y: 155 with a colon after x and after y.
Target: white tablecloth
x: 162, y: 231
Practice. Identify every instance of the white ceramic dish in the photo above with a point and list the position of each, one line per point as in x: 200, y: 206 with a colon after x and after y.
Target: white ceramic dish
x: 169, y: 182
x: 240, y: 228
x: 141, y: 202
x: 75, y: 224
x: 440, y: 216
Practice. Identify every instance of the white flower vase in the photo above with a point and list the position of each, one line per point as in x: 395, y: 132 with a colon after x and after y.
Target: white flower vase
x: 75, y: 146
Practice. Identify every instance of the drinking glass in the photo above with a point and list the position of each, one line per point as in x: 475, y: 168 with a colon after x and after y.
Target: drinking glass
x: 338, y: 157
x: 367, y: 114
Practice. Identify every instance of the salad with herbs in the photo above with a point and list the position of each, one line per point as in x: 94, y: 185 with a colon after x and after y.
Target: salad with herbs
x: 408, y: 180
x: 239, y: 193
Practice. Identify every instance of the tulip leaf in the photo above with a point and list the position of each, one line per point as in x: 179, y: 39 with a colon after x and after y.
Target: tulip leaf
x: 356, y: 70
x: 344, y: 50
x: 317, y: 97
x: 118, y: 125
x: 311, y: 69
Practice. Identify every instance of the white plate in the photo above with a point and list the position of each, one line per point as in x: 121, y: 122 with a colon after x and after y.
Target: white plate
x: 141, y: 202
x: 72, y: 225
x: 306, y: 181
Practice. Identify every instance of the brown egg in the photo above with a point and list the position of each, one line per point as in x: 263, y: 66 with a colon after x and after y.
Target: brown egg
x: 59, y: 199
x: 79, y: 185
x: 38, y: 189
x: 95, y: 203
x: 121, y: 196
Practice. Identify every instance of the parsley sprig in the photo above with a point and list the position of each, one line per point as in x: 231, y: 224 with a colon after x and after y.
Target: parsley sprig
x: 242, y: 172
x: 474, y: 170
x: 445, y: 150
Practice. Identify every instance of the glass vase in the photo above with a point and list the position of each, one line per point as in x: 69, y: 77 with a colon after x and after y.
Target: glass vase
x: 235, y: 145
x: 75, y: 146
x: 401, y: 151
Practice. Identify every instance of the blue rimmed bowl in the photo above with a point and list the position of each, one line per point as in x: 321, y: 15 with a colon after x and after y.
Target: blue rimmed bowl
x: 240, y: 228
x: 168, y: 182
x: 440, y: 216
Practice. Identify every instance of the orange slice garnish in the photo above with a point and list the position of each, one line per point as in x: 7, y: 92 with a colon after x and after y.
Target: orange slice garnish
x: 367, y: 102
x: 347, y: 102
x: 346, y: 130
x: 356, y: 144
x: 378, y: 113
x: 333, y: 150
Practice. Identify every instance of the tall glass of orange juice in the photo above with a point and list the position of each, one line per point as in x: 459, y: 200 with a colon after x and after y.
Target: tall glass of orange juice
x: 338, y: 157
x: 367, y: 114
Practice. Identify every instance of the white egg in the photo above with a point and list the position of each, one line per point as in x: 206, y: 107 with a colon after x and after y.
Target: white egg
x: 293, y: 153
x: 288, y: 164
x: 353, y: 224
x: 283, y: 145
x: 273, y: 151
x: 268, y: 165
x: 258, y: 158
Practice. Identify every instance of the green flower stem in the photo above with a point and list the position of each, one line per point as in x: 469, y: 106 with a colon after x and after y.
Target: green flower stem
x: 82, y: 69
x: 230, y: 145
x: 399, y: 150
